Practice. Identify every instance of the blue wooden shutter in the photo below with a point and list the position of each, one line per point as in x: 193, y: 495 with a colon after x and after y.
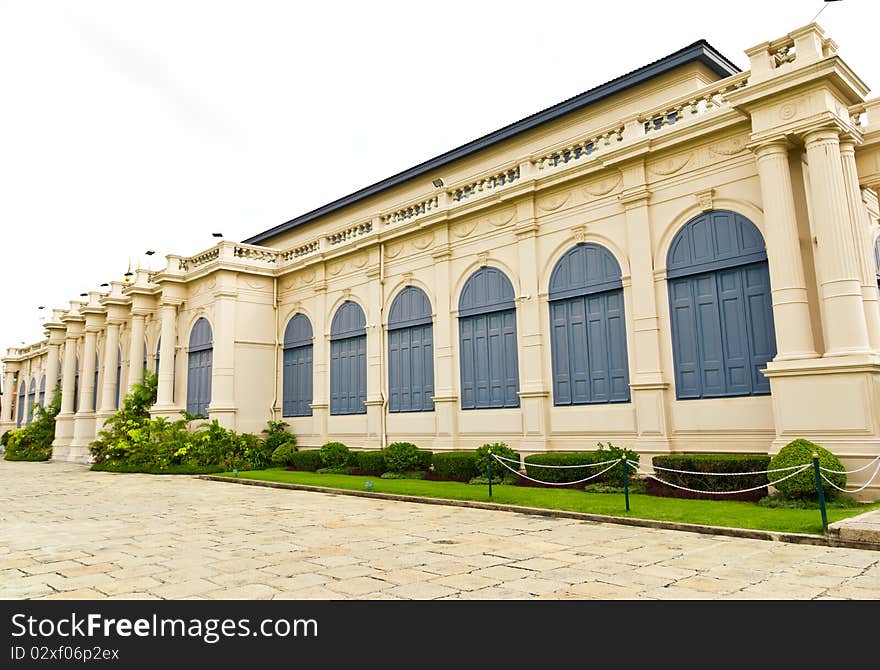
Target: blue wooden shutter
x: 759, y: 312
x: 118, y: 375
x: 32, y: 395
x: 410, y: 352
x: 348, y: 360
x: 559, y: 352
x: 297, y: 372
x: 95, y: 394
x: 487, y: 342
x: 76, y: 387
x: 685, y: 349
x: 588, y: 337
x: 21, y: 402
x: 199, y: 368
x: 721, y: 310
x: 43, y: 391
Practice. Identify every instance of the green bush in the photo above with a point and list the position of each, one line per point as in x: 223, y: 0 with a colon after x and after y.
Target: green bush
x: 455, y: 465
x: 498, y: 471
x: 803, y: 484
x: 310, y: 459
x: 335, y: 455
x: 426, y: 459
x: 562, y: 475
x: 403, y: 457
x: 34, y: 441
x: 283, y: 454
x: 608, y: 452
x: 4, y: 438
x: 107, y: 466
x: 277, y: 435
x: 371, y: 462
x: 703, y: 463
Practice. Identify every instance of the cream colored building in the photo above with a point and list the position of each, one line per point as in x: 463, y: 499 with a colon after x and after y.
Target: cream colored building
x: 680, y: 259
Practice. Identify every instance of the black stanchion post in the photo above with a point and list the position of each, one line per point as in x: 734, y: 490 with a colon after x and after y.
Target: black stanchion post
x: 821, y: 491
x: 625, y: 465
x: 490, y: 473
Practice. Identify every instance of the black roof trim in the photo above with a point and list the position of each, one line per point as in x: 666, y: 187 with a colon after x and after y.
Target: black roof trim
x: 700, y: 51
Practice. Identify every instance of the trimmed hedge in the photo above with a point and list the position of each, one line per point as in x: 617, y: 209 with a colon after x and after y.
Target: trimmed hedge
x: 702, y: 463
x: 458, y: 466
x: 499, y: 472
x: 370, y: 462
x: 335, y: 455
x: 558, y: 475
x: 283, y: 454
x: 803, y: 485
x: 309, y: 459
x: 424, y: 459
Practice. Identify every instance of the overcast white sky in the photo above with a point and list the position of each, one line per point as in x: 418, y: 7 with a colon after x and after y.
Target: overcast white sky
x: 128, y: 126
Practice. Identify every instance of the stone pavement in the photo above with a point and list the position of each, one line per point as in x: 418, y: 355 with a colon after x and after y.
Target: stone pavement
x: 66, y: 532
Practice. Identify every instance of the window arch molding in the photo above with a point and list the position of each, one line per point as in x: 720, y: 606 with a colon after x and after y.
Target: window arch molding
x: 741, y: 207
x: 720, y: 307
x: 561, y: 249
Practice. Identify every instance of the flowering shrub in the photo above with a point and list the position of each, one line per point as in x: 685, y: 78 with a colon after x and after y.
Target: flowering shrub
x: 131, y: 438
x: 34, y: 441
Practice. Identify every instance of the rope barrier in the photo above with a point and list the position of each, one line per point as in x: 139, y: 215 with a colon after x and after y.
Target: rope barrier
x: 538, y: 481
x: 850, y: 472
x: 723, y: 493
x: 560, y: 467
x: 861, y: 488
x: 729, y: 474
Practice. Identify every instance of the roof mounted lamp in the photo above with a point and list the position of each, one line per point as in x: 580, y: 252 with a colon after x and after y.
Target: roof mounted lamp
x: 437, y: 182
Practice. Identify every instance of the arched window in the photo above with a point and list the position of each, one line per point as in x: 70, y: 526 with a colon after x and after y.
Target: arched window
x: 32, y: 396
x: 76, y: 386
x: 144, y: 367
x: 158, y: 355
x: 410, y: 353
x: 200, y: 361
x: 487, y: 341
x: 58, y: 376
x: 42, y: 396
x: 296, y: 390
x: 118, y: 374
x: 21, y: 402
x: 348, y: 360
x: 877, y: 259
x: 720, y: 307
x: 587, y: 328
x: 96, y: 388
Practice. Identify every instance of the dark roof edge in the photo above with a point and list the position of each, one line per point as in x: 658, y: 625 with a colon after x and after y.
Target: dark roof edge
x: 700, y: 51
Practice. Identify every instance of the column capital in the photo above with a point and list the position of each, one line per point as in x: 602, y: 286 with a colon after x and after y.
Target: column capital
x: 165, y: 302
x: 634, y: 197
x: 771, y: 146
x: 826, y: 133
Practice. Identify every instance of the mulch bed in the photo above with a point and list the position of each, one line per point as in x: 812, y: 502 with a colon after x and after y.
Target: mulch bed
x: 655, y: 488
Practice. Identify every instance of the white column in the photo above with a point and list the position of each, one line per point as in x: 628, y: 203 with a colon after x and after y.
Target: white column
x: 68, y: 375
x: 136, y: 350
x: 791, y: 312
x: 87, y: 373
x: 845, y: 328
x: 165, y: 391
x: 107, y: 405
x: 51, y: 372
x: 6, y: 407
x: 320, y: 369
x: 863, y: 241
x: 222, y: 405
x: 445, y: 396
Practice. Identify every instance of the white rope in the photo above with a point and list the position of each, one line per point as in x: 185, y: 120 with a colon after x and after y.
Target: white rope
x: 538, y: 465
x: 538, y: 481
x: 730, y: 474
x: 861, y: 488
x: 850, y: 472
x: 722, y: 493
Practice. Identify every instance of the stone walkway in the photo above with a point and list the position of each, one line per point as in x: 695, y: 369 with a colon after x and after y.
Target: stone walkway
x: 66, y: 532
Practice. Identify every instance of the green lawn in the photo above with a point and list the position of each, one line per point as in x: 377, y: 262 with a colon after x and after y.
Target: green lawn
x: 709, y: 512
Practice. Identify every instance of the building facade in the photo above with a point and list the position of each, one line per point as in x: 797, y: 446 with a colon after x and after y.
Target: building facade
x: 682, y: 259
